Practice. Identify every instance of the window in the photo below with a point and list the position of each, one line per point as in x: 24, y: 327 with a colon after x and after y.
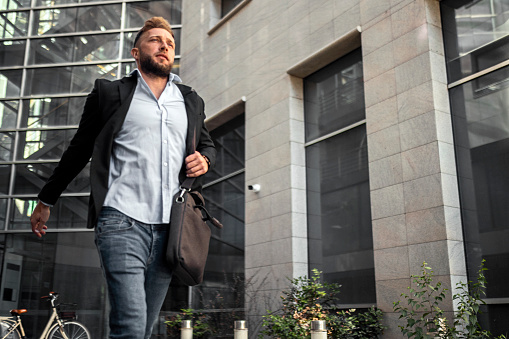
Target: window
x: 477, y: 49
x: 339, y: 214
x: 228, y: 5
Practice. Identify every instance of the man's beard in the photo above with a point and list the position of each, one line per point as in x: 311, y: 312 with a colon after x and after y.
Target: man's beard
x: 148, y: 65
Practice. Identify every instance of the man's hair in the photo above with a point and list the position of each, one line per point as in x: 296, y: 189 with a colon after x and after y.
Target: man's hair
x: 154, y: 22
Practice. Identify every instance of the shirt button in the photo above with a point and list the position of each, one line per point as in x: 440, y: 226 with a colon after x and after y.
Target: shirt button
x: 165, y: 164
x: 165, y: 141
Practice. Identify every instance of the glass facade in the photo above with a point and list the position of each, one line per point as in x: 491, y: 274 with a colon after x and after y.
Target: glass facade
x: 339, y: 213
x: 477, y: 49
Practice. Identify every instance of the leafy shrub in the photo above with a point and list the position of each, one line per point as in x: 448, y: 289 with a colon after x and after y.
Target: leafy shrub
x: 425, y: 319
x: 310, y: 299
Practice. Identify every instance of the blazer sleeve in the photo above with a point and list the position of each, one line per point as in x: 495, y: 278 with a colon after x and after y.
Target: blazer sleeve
x: 205, y: 144
x: 78, y: 153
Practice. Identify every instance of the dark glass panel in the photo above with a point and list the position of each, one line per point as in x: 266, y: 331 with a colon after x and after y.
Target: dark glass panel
x: 70, y: 49
x: 475, y: 35
x: 14, y: 4
x: 65, y: 80
x: 5, y: 174
x: 339, y: 214
x: 49, y: 112
x: 67, y: 263
x: 68, y: 212
x: 10, y: 83
x: 225, y: 201
x: 30, y: 178
x: 334, y: 96
x: 139, y: 12
x: 6, y: 145
x: 357, y: 286
x: 129, y: 41
x: 3, y: 213
x: 43, y: 145
x: 78, y: 19
x: 12, y: 53
x: 481, y: 132
x: 228, y: 5
x: 229, y: 140
x: 8, y: 113
x: 13, y: 24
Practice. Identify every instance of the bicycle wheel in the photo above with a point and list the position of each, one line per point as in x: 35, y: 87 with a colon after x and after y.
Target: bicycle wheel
x: 72, y: 329
x: 4, y: 329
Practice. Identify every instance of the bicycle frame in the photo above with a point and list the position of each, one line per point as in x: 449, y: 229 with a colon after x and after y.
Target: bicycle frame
x: 15, y: 321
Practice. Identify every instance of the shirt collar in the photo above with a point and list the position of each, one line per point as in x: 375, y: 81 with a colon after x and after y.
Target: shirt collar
x: 172, y: 77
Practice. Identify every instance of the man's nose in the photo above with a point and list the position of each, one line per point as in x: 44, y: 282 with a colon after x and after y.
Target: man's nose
x: 165, y: 46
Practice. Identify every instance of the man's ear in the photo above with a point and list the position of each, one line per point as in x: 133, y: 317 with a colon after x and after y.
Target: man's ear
x: 135, y: 52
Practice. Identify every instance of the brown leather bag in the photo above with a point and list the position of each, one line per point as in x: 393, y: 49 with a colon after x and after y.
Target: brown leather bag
x: 189, y: 236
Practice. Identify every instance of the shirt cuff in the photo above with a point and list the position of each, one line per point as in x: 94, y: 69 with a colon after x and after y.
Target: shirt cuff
x: 42, y: 202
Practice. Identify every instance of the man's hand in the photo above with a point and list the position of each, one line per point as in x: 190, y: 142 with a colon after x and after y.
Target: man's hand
x: 196, y: 165
x: 38, y: 219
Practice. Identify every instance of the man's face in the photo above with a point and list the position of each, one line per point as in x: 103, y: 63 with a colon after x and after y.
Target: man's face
x: 155, y: 52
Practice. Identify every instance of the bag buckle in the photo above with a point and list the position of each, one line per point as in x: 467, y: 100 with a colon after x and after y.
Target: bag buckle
x: 180, y: 198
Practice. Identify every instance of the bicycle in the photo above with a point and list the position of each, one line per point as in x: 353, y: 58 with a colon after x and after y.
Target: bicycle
x: 60, y: 324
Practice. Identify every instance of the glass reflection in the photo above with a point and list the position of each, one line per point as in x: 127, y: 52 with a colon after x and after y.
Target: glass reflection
x: 78, y: 19
x: 225, y: 201
x: 66, y: 80
x: 14, y: 4
x: 229, y: 141
x: 8, y: 113
x: 48, y: 112
x: 67, y: 263
x: 44, y: 3
x: 71, y: 49
x: 481, y: 127
x: 10, y: 83
x: 7, y: 142
x: 334, y: 96
x: 138, y: 12
x: 476, y: 35
x: 68, y: 212
x: 43, y: 145
x: 30, y: 178
x: 12, y: 53
x: 13, y: 24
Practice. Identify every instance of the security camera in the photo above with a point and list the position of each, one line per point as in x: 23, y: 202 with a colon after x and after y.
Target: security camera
x: 255, y: 188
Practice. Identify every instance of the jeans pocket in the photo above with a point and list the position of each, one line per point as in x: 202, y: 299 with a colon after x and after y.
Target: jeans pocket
x: 109, y: 223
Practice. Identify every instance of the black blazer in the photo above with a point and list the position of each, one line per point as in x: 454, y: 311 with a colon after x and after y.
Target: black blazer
x: 103, y: 115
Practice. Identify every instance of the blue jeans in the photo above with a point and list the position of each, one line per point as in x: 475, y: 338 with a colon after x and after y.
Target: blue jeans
x: 133, y: 261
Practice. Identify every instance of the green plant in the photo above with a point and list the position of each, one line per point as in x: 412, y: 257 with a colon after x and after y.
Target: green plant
x: 424, y: 317
x: 423, y: 314
x: 201, y: 327
x: 310, y: 299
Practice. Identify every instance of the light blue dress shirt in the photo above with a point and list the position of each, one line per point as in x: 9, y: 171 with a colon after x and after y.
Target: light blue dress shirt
x: 147, y: 154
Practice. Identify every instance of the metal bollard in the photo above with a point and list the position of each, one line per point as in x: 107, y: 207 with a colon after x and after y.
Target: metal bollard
x: 186, y: 329
x: 240, y: 329
x: 318, y: 329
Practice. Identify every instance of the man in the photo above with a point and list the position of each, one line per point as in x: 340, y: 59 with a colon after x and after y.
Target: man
x: 141, y: 133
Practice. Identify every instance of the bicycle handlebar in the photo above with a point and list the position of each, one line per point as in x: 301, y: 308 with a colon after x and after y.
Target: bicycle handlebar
x: 51, y: 297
